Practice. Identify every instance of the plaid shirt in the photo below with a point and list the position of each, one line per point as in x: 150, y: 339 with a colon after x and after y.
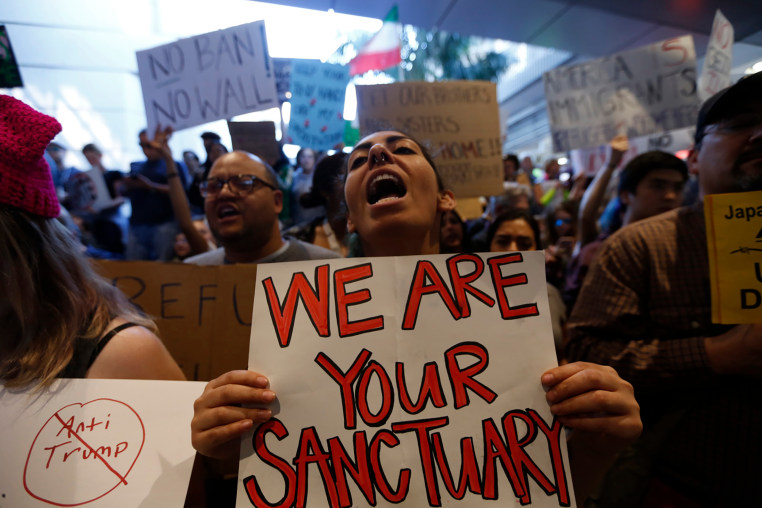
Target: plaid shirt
x: 644, y: 309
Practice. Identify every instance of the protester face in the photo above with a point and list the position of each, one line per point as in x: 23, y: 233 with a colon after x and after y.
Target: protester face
x: 452, y: 232
x: 513, y: 235
x: 564, y: 223
x: 182, y: 248
x: 306, y: 160
x: 392, y: 190
x: 729, y: 158
x: 93, y: 157
x: 661, y: 190
x: 509, y: 170
x: 235, y: 216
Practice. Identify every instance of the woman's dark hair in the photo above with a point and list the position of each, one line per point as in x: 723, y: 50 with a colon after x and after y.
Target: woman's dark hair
x: 328, y: 173
x: 514, y: 215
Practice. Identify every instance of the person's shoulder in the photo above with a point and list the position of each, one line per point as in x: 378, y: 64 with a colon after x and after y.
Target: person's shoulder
x: 303, y: 251
x: 134, y: 353
x: 213, y: 257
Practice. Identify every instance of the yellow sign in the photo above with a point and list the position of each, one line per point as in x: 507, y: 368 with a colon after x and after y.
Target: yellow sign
x: 734, y: 237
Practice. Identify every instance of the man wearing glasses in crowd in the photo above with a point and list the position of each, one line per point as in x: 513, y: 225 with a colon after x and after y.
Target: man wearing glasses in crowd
x: 242, y: 202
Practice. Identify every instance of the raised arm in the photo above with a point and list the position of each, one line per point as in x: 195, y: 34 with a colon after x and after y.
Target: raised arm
x: 595, y: 194
x: 177, y: 195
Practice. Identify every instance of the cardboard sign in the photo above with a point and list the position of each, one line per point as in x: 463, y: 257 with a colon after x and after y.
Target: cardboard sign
x: 412, y: 380
x: 99, y: 443
x: 718, y: 61
x: 9, y: 69
x: 734, y: 237
x: 207, y: 77
x: 638, y: 92
x: 203, y: 312
x: 458, y: 122
x: 255, y: 137
x: 317, y: 104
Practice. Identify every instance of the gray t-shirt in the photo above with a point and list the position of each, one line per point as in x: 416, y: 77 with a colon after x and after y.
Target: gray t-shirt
x: 292, y: 250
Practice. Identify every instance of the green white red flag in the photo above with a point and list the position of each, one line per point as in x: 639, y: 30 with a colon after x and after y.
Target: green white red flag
x: 383, y: 50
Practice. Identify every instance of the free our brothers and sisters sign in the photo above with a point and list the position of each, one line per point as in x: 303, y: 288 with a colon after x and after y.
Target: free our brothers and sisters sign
x: 409, y: 380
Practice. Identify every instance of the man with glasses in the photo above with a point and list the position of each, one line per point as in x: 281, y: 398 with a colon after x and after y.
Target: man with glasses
x: 242, y: 202
x: 645, y: 309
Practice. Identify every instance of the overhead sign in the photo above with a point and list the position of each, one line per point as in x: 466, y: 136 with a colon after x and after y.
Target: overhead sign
x: 734, y: 237
x: 97, y: 443
x: 457, y: 121
x: 412, y: 380
x: 643, y: 91
x: 317, y: 104
x: 718, y: 61
x: 207, y: 77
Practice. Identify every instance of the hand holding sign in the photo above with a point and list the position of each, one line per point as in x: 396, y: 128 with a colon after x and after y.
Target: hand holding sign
x: 219, y: 419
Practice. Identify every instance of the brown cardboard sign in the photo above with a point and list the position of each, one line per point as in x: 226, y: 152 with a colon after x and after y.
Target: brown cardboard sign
x: 458, y: 122
x: 203, y: 312
x: 255, y: 137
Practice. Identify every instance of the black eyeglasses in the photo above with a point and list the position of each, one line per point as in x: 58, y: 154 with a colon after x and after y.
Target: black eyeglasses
x: 239, y: 184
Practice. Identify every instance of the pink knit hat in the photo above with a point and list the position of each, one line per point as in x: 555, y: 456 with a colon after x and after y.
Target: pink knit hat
x: 25, y: 179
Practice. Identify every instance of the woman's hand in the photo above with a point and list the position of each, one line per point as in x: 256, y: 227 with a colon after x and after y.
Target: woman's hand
x: 218, y: 418
x: 598, y: 404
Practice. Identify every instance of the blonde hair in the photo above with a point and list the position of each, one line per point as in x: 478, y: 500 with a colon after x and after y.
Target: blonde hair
x: 49, y: 297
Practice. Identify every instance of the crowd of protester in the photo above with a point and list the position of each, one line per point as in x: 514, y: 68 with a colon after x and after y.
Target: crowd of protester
x: 626, y: 266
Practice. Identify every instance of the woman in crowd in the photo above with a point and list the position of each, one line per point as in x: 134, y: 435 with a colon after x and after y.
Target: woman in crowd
x: 452, y: 238
x: 301, y: 185
x: 518, y: 230
x: 329, y: 228
x: 58, y: 318
x: 395, y: 200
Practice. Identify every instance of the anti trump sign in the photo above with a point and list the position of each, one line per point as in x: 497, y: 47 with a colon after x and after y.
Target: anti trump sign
x: 409, y: 380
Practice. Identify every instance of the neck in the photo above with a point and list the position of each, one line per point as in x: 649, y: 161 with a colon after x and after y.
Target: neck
x: 245, y: 251
x: 394, y: 245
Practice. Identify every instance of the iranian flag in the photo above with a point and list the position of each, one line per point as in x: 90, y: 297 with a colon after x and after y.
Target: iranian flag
x: 383, y: 50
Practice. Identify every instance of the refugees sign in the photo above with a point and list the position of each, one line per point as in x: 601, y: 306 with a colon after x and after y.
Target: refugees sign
x: 97, y: 442
x: 734, y: 238
x: 203, y: 312
x: 458, y: 122
x: 639, y: 92
x: 207, y: 77
x: 317, y: 104
x: 410, y: 380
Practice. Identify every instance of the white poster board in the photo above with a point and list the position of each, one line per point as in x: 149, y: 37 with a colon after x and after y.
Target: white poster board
x: 411, y: 380
x: 457, y: 121
x: 715, y: 75
x: 207, y: 77
x: 97, y: 443
x: 635, y: 93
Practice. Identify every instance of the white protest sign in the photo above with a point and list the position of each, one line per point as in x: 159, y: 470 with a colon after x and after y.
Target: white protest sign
x: 635, y: 93
x: 715, y: 75
x: 317, y: 104
x: 457, y: 121
x: 100, y: 442
x: 411, y: 380
x: 590, y: 160
x: 207, y: 77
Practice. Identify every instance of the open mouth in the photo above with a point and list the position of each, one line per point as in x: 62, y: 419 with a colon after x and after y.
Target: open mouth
x: 385, y: 187
x: 225, y: 211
